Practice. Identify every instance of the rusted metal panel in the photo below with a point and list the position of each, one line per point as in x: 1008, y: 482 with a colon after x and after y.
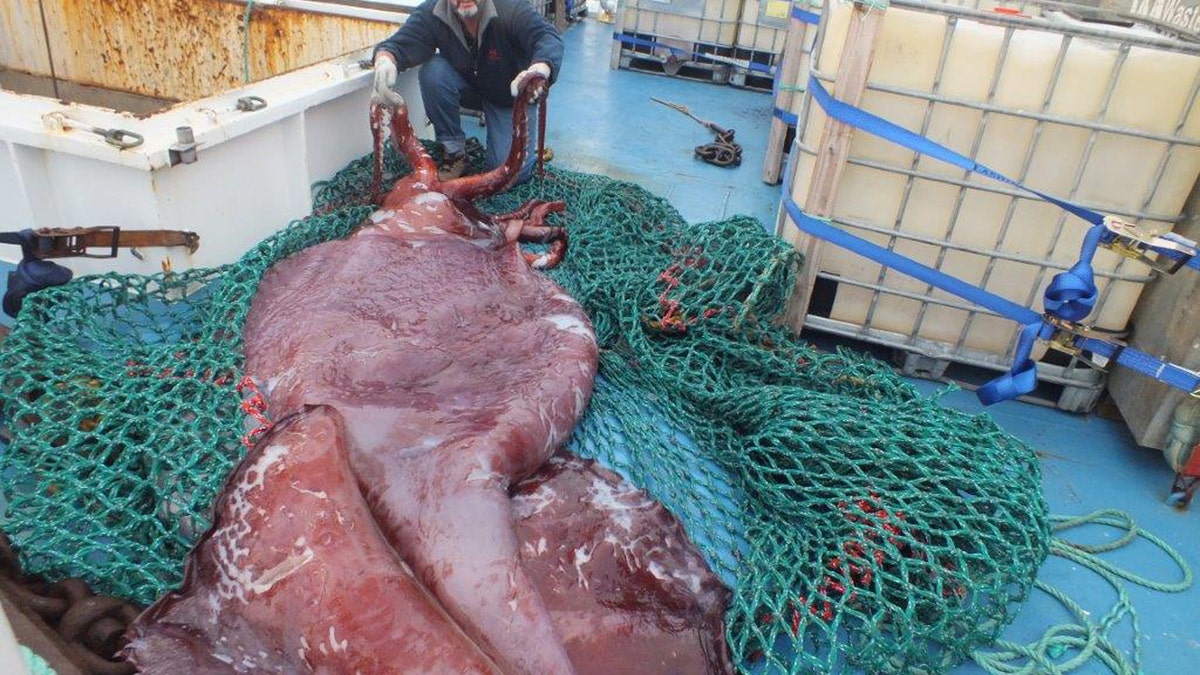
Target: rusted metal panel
x: 23, y: 46
x: 187, y: 49
x: 294, y: 39
x: 39, y: 85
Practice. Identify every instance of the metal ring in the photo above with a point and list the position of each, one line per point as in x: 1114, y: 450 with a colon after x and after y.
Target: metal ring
x: 251, y: 103
x: 122, y: 138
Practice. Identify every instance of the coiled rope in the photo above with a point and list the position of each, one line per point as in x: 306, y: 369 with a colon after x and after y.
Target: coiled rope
x: 1087, y: 639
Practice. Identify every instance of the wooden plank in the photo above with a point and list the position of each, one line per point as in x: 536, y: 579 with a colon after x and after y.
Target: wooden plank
x: 614, y: 61
x: 560, y: 15
x: 833, y: 150
x: 789, y: 74
x: 1166, y: 323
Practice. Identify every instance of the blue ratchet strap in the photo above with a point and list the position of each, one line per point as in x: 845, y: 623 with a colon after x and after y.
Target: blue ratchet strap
x: 805, y: 16
x: 877, y: 126
x: 715, y: 58
x: 640, y: 42
x: 1069, y: 297
x: 789, y: 118
x: 1022, y: 377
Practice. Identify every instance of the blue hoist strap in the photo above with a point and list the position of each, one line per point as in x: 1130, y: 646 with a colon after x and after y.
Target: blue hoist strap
x: 823, y: 229
x: 642, y: 42
x: 877, y: 126
x: 715, y: 58
x: 805, y: 16
x: 789, y: 118
x: 20, y: 238
x: 1069, y: 297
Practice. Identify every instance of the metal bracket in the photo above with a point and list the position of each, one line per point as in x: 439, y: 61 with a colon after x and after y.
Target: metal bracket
x: 1065, y: 333
x: 1139, y: 243
x: 184, y: 151
x: 1183, y: 488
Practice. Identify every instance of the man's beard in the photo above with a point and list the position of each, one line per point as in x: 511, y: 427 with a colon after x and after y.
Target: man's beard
x: 469, y: 12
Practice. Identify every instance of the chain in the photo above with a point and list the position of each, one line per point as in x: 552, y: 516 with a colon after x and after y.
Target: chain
x: 90, y: 627
x: 722, y: 151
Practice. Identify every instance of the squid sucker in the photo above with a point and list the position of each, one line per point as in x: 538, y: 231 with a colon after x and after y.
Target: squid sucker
x: 411, y: 510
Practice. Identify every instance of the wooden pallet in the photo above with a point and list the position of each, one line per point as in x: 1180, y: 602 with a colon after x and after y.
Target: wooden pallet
x: 1080, y: 394
x: 749, y: 79
x: 757, y: 80
x: 1077, y: 390
x: 716, y: 73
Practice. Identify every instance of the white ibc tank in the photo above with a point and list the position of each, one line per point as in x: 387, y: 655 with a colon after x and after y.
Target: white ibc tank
x: 1101, y: 116
x: 684, y: 23
x: 762, y: 26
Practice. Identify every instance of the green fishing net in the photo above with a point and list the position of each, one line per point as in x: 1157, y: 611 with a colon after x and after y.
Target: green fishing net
x: 860, y: 524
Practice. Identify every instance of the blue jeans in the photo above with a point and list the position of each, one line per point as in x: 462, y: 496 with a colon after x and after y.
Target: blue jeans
x: 442, y: 87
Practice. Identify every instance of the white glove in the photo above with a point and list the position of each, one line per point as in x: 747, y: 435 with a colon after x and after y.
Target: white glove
x: 539, y: 68
x: 385, y: 81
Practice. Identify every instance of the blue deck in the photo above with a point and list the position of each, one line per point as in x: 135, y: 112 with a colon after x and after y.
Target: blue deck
x: 603, y: 121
